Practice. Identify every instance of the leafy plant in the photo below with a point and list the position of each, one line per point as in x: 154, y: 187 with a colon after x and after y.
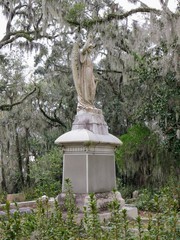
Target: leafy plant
x: 46, y: 174
x: 91, y: 219
x: 71, y: 211
x: 75, y: 13
x: 48, y: 222
x: 11, y: 225
x: 142, y: 159
x: 3, y: 197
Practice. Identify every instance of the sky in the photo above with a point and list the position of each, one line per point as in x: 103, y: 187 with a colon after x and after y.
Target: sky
x: 151, y: 3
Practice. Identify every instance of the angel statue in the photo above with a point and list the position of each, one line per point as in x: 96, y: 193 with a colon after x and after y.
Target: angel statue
x: 84, y: 80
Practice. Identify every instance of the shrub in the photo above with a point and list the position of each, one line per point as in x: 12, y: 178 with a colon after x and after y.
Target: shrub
x: 47, y: 223
x: 142, y: 160
x: 46, y: 175
x: 3, y: 197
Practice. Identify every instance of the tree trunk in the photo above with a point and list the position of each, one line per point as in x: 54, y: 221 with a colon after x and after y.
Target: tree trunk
x: 2, y: 173
x: 19, y: 158
x: 27, y: 158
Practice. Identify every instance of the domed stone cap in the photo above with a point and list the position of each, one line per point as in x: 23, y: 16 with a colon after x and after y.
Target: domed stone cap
x: 86, y: 136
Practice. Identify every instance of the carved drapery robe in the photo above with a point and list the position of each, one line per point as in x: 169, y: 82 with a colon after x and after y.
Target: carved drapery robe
x: 83, y: 76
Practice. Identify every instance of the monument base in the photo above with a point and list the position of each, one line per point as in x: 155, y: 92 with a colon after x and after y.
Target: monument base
x: 90, y: 167
x: 103, y: 205
x: 91, y: 120
x: 89, y: 163
x: 82, y: 200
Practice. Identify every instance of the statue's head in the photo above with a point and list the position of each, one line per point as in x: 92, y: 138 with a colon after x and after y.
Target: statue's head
x: 91, y: 44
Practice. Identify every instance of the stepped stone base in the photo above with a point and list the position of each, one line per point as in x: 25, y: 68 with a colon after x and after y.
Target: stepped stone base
x: 82, y: 200
x: 132, y: 211
x: 103, y: 202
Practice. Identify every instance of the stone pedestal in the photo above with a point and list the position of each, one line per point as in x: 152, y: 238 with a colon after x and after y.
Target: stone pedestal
x: 91, y: 120
x: 89, y: 159
x: 90, y: 167
x: 88, y: 154
x: 82, y: 200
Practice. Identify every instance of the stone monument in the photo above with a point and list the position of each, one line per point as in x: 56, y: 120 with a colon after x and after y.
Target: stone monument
x: 88, y: 149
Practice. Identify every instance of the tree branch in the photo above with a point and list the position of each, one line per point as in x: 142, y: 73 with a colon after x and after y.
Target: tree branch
x: 8, y: 107
x: 107, y: 71
x: 115, y: 16
x: 54, y: 120
x: 11, y: 36
x: 23, y: 34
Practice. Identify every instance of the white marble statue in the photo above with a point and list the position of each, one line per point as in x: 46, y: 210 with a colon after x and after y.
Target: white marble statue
x: 84, y: 80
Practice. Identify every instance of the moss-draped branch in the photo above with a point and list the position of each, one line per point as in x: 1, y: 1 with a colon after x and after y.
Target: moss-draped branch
x: 37, y: 31
x: 8, y: 107
x: 112, y: 16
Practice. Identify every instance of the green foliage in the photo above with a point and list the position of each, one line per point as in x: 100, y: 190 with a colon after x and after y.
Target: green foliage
x: 118, y: 224
x: 48, y: 222
x: 159, y: 99
x: 45, y: 174
x: 70, y: 206
x: 163, y: 214
x: 91, y: 219
x: 75, y: 13
x: 126, y: 190
x: 133, y: 140
x: 143, y: 159
x: 138, y: 80
x: 140, y: 158
x: 3, y: 197
x: 12, y: 225
x: 166, y: 198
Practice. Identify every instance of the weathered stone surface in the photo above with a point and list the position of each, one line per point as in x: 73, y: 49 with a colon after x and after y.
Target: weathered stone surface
x: 16, y: 197
x: 22, y: 210
x: 85, y: 137
x: 135, y: 194
x: 44, y: 198
x: 82, y: 200
x: 88, y: 154
x: 89, y: 127
x: 89, y: 172
x: 131, y: 211
x: 106, y: 215
x: 2, y: 213
x: 82, y: 69
x: 31, y: 204
x: 88, y: 158
x: 91, y: 121
x: 28, y: 204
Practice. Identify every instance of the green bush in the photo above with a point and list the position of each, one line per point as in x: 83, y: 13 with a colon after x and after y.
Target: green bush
x: 45, y: 175
x: 49, y: 223
x: 142, y: 160
x: 126, y: 190
x: 3, y: 197
x: 160, y: 200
